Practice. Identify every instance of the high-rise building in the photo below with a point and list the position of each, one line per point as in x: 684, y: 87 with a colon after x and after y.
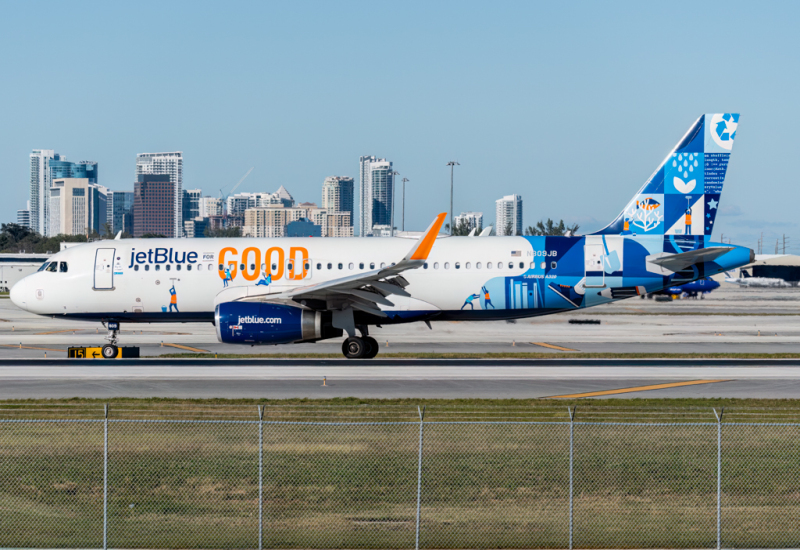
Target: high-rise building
x: 120, y: 211
x: 382, y: 178
x: 40, y: 188
x: 365, y: 196
x: 375, y: 193
x: 210, y: 206
x: 172, y: 165
x: 60, y: 168
x: 337, y: 195
x: 509, y: 215
x: 24, y: 216
x: 76, y: 207
x: 153, y: 205
x: 191, y: 204
x: 98, y: 208
x: 472, y: 220
x: 68, y: 207
x: 337, y: 224
x: 237, y: 204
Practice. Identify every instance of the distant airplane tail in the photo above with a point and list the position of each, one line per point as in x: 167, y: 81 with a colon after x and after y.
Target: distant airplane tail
x: 744, y: 274
x: 682, y: 195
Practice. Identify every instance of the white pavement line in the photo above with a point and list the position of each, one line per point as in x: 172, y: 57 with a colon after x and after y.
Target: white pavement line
x: 399, y: 373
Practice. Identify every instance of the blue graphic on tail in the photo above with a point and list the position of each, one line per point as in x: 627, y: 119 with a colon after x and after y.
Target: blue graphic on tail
x: 682, y: 195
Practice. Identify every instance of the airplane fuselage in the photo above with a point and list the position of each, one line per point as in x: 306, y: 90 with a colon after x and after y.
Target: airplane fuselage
x: 464, y: 278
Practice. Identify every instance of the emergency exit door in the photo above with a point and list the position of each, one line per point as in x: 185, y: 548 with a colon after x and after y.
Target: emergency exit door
x: 593, y: 264
x: 104, y: 269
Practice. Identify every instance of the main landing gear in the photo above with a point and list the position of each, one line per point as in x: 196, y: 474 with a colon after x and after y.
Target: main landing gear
x: 364, y: 347
x: 111, y: 350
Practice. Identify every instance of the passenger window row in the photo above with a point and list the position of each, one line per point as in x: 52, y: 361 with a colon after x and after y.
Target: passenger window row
x: 168, y: 267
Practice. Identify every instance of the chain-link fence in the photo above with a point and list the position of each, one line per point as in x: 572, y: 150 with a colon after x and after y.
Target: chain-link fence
x: 260, y: 483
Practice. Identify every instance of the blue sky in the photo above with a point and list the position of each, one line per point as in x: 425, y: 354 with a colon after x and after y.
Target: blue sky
x: 571, y: 105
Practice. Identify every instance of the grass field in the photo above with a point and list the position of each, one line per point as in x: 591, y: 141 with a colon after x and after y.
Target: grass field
x: 351, y: 482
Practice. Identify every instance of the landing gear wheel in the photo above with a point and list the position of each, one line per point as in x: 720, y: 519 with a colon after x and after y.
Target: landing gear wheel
x: 372, y: 347
x: 110, y: 351
x: 354, y: 348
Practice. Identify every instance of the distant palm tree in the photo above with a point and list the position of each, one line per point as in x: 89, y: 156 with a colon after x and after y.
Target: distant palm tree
x: 550, y: 228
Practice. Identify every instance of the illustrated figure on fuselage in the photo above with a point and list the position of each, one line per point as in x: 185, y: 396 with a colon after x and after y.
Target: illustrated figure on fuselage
x: 173, y: 300
x: 487, y: 299
x: 265, y: 280
x: 469, y: 299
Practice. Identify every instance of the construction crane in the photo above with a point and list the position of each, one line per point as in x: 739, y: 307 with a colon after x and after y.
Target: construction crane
x: 224, y: 198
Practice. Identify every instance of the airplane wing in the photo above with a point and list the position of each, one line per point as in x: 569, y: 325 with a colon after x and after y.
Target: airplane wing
x: 676, y: 262
x: 363, y: 291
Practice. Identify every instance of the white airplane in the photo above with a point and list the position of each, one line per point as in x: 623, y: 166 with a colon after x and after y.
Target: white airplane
x: 286, y: 290
x: 748, y: 281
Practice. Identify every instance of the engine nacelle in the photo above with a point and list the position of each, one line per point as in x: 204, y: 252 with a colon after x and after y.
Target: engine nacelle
x: 264, y: 323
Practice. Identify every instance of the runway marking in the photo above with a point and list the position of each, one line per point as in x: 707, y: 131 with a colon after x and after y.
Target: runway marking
x: 179, y: 346
x: 552, y: 346
x: 638, y: 388
x: 60, y: 331
x: 31, y: 347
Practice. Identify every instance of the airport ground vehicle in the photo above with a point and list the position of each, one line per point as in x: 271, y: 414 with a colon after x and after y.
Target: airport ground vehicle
x: 276, y: 291
x: 694, y: 289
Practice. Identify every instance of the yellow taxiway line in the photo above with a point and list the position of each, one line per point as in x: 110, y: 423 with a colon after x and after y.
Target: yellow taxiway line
x: 179, y: 346
x: 638, y: 388
x: 552, y: 346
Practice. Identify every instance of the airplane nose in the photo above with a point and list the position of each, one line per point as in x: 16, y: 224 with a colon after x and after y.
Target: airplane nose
x: 19, y: 293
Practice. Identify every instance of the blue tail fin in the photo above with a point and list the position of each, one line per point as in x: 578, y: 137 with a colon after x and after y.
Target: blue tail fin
x: 682, y: 195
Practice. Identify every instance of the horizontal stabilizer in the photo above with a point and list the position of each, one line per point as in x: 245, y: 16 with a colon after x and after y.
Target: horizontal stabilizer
x: 676, y: 262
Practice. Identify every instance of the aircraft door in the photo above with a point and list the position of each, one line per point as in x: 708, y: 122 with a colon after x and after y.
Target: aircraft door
x: 104, y: 269
x: 593, y: 252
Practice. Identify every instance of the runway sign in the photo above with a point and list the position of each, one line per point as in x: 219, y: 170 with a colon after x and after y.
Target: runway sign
x: 97, y: 353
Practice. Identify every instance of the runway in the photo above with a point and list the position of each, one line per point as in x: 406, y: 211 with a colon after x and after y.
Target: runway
x: 399, y: 378
x: 730, y: 320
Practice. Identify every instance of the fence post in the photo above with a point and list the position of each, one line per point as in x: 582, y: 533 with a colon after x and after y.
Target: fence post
x: 419, y: 472
x: 105, y: 478
x: 719, y: 475
x: 260, y: 475
x: 571, y: 412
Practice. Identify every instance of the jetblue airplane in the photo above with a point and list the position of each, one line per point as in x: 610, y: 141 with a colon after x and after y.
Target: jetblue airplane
x: 287, y: 290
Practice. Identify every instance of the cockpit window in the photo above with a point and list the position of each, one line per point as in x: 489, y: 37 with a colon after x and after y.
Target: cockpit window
x: 44, y: 266
x: 52, y: 267
x: 63, y: 267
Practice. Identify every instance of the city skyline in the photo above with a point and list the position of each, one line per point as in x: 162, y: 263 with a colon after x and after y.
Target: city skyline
x: 254, y: 96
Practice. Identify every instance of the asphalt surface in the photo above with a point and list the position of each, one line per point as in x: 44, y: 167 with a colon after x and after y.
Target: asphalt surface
x: 730, y: 320
x: 394, y: 378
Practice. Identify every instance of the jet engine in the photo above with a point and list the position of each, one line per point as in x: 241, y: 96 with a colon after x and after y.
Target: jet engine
x: 265, y: 323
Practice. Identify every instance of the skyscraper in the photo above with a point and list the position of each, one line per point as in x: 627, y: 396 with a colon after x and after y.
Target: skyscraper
x: 509, y: 215
x: 375, y: 193
x: 60, y: 168
x: 172, y: 165
x: 191, y: 204
x: 382, y: 192
x: 40, y: 187
x: 153, y: 200
x: 120, y: 211
x: 337, y: 195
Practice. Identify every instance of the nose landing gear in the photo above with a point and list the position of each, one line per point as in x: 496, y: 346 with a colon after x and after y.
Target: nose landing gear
x: 111, y: 350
